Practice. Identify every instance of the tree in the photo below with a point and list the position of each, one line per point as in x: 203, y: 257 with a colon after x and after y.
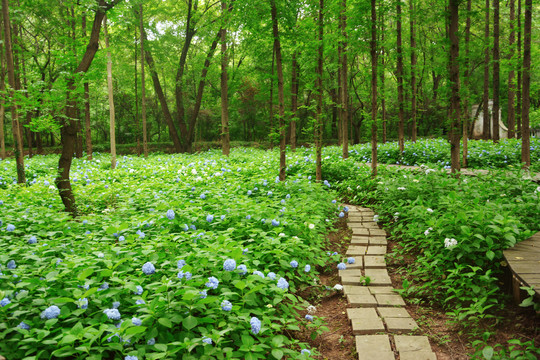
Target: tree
x: 511, y: 73
x: 399, y: 75
x: 14, y: 86
x: 519, y: 62
x: 281, y: 96
x: 525, y: 125
x: 3, y: 154
x: 466, y: 75
x: 111, y: 97
x: 143, y: 84
x: 453, y: 7
x: 319, y: 87
x: 373, y: 89
x: 225, y: 140
x: 485, y: 101
x: 496, y: 71
x: 413, y: 69
x: 344, y: 94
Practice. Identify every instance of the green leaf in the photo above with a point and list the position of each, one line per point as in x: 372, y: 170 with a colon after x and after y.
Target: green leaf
x: 240, y: 285
x: 190, y: 322
x: 277, y: 353
x: 68, y: 339
x: 487, y: 352
x: 135, y: 330
x: 165, y: 322
x: 161, y: 347
x: 490, y: 255
x: 85, y: 273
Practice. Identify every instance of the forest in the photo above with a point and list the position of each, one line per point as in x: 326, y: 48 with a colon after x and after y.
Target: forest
x: 179, y: 178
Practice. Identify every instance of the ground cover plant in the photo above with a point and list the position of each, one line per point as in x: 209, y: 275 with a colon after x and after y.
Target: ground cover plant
x: 174, y: 256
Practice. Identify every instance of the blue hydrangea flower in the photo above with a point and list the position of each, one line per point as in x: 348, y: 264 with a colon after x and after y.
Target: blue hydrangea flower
x: 203, y: 294
x: 249, y: 192
x: 140, y: 302
x: 226, y: 305
x: 350, y: 260
x: 229, y: 265
x: 341, y: 214
x: 51, y: 312
x: 136, y: 321
x: 141, y: 235
x: 11, y: 264
x: 212, y: 283
x: 180, y: 264
x: 104, y: 286
x: 112, y: 314
x: 282, y: 284
x: 131, y: 357
x: 203, y: 196
x: 271, y: 275
x: 243, y: 269
x: 248, y: 217
x: 151, y: 341
x: 275, y: 222
x: 305, y: 352
x: 170, y: 214
x: 148, y: 268
x: 139, y: 290
x: 23, y: 326
x: 222, y: 217
x: 269, y: 193
x: 121, y: 238
x: 185, y: 228
x: 307, y: 268
x: 10, y: 227
x: 294, y: 264
x: 245, y: 251
x: 210, y: 218
x: 309, y: 318
x: 325, y: 182
x: 187, y: 275
x: 257, y: 272
x: 342, y: 266
x: 32, y: 240
x: 83, y: 303
x: 346, y: 208
x: 4, y: 302
x: 207, y: 340
x: 255, y: 325
x: 116, y: 304
x: 333, y: 201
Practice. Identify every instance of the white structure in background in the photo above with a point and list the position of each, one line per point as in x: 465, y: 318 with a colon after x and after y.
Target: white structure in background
x: 478, y: 127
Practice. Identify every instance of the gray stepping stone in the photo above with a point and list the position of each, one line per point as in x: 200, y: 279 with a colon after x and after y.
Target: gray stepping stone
x: 362, y: 313
x: 350, y: 272
x: 351, y: 280
x: 356, y: 250
x: 376, y: 240
x: 407, y: 343
x: 355, y: 290
x: 360, y: 240
x: 376, y: 250
x: 362, y: 300
x: 367, y: 326
x: 371, y: 347
x: 417, y: 355
x: 374, y: 262
x: 389, y: 300
x: 381, y: 290
x: 392, y: 312
x: 377, y: 232
x: 400, y: 325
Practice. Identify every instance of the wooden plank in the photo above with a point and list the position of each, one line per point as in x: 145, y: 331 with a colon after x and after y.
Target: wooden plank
x: 524, y: 262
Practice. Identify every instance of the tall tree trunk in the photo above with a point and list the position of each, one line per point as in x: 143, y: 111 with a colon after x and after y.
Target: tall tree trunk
x: 525, y: 125
x: 3, y: 154
x: 511, y: 74
x: 225, y: 139
x: 399, y: 75
x: 373, y: 89
x: 69, y: 127
x: 294, y: 99
x: 136, y: 83
x: 143, y: 85
x: 519, y: 74
x: 281, y: 96
x: 319, y: 86
x: 486, y: 123
x: 344, y: 82
x: 383, y: 70
x: 413, y: 69
x: 454, y: 84
x: 88, y: 131
x: 466, y: 73
x: 271, y: 99
x: 496, y: 72
x: 27, y: 131
x: 111, y: 98
x: 17, y: 138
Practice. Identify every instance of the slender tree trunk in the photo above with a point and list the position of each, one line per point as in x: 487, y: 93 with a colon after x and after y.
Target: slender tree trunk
x: 294, y: 99
x: 519, y: 74
x: 88, y: 134
x: 3, y: 154
x: 454, y: 83
x: 525, y: 125
x: 413, y: 70
x: 136, y: 83
x: 225, y: 139
x: 319, y: 86
x: 344, y: 82
x: 466, y: 72
x: 399, y: 75
x: 487, y: 122
x: 511, y: 74
x: 373, y: 88
x: 496, y: 72
x: 143, y: 85
x: 17, y: 138
x: 383, y: 76
x: 111, y: 98
x: 27, y: 131
x: 281, y: 96
x: 271, y: 100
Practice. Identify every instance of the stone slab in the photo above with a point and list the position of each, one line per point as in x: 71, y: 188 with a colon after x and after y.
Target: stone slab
x: 392, y: 312
x: 400, y: 325
x: 351, y: 280
x: 376, y: 250
x: 373, y: 343
x: 362, y: 313
x: 417, y: 355
x: 377, y: 232
x: 381, y: 290
x: 407, y: 343
x: 371, y: 225
x: 356, y: 250
x: 367, y: 326
x: 362, y: 300
x: 359, y: 231
x: 355, y: 290
x: 358, y: 263
x: 376, y: 240
x: 379, y: 280
x: 363, y: 240
x: 350, y: 272
x: 389, y: 300
x: 374, y: 262
x: 375, y: 354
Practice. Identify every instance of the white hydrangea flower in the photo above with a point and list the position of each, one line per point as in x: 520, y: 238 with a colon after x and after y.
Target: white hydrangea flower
x: 450, y: 242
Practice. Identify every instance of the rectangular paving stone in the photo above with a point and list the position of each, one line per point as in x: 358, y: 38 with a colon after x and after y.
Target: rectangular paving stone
x: 371, y: 225
x: 350, y: 272
x: 356, y: 250
x: 362, y: 313
x: 408, y: 343
x: 358, y: 262
x: 378, y: 241
x: 378, y: 355
x: 378, y: 277
x: 374, y: 290
x: 360, y: 232
x: 362, y: 300
x: 417, y: 355
x: 389, y: 300
x: 367, y: 326
x: 400, y: 325
x: 355, y: 290
x: 376, y: 250
x: 374, y: 262
x: 360, y: 240
x: 393, y: 312
x: 351, y: 280
x: 377, y: 232
x: 373, y: 344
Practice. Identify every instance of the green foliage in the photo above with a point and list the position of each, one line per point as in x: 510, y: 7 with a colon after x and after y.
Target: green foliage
x: 517, y: 350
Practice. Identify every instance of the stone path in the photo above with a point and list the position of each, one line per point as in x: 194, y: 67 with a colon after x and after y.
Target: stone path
x: 380, y: 323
